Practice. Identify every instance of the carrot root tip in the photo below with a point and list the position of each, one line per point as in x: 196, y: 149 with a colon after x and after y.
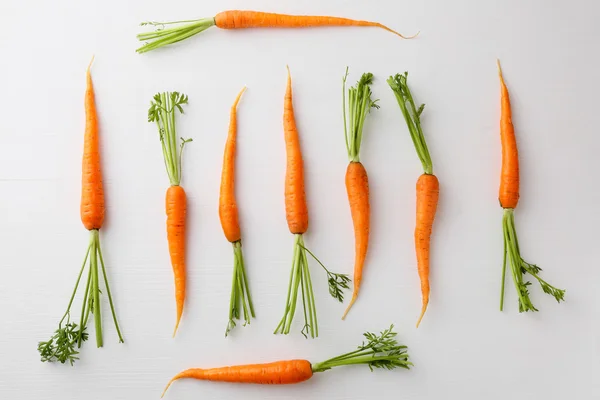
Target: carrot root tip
x: 352, y: 300
x: 423, y: 309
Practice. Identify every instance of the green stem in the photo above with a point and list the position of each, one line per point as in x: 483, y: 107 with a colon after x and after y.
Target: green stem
x: 240, y: 255
x: 502, y: 289
x: 96, y: 288
x: 169, y: 36
x: 359, y: 106
x: 110, y: 300
x: 84, y: 309
x: 309, y: 290
x: 281, y: 327
x: 87, y: 253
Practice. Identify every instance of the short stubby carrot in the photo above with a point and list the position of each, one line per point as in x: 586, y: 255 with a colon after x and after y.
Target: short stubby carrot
x: 379, y: 351
x: 228, y: 214
x: 162, y: 112
x: 428, y: 187
x: 297, y: 218
x: 357, y: 181
x: 509, y: 198
x: 69, y: 335
x: 243, y: 19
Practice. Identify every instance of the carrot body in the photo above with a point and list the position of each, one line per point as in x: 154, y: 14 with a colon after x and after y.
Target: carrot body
x: 92, y: 191
x: 176, y: 213
x: 228, y: 210
x: 509, y: 176
x: 357, y: 186
x: 240, y: 19
x: 295, y: 198
x: 428, y: 192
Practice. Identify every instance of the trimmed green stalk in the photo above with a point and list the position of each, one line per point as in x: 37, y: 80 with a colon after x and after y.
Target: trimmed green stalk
x: 163, y: 37
x: 240, y: 292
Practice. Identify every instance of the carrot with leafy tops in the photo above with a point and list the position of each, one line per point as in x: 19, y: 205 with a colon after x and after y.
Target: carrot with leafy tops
x: 242, y: 19
x: 357, y: 181
x: 228, y: 214
x: 509, y: 198
x: 61, y: 347
x: 162, y: 111
x: 379, y: 351
x: 297, y: 218
x: 428, y: 187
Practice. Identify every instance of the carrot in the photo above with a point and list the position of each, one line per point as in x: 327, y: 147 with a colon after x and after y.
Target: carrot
x: 240, y: 19
x: 296, y: 212
x: 509, y: 198
x: 427, y: 185
x: 61, y: 346
x: 228, y: 214
x: 357, y: 181
x: 380, y: 351
x: 162, y: 111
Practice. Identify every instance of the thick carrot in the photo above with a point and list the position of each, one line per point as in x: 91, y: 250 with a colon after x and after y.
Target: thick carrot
x: 428, y: 187
x: 228, y: 213
x: 176, y: 212
x: 162, y: 112
x: 509, y: 198
x: 242, y: 19
x: 380, y: 351
x: 357, y: 181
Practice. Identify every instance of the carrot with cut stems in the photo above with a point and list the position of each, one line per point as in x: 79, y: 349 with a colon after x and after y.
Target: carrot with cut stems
x: 297, y: 218
x: 357, y: 181
x: 428, y: 187
x: 509, y: 198
x: 162, y: 112
x: 379, y: 351
x: 61, y: 347
x: 242, y: 19
x: 228, y: 214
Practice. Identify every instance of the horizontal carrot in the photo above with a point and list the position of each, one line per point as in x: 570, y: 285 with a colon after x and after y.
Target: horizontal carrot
x: 380, y: 351
x: 242, y: 19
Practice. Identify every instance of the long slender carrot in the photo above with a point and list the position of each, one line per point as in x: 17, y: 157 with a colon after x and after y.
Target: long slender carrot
x: 242, y: 19
x: 296, y: 212
x: 380, y: 351
x: 509, y: 197
x: 427, y: 185
x: 162, y: 111
x: 61, y: 347
x: 357, y: 181
x: 228, y: 214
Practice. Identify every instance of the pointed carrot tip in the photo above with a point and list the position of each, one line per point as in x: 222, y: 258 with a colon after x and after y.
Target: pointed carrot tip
x: 499, y: 67
x: 90, y: 64
x: 423, y: 309
x: 354, y: 297
x: 166, y: 388
x: 176, y: 326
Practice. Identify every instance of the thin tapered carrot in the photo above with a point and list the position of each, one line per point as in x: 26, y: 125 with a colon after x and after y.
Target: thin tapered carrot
x: 357, y: 181
x: 228, y: 214
x: 162, y: 112
x: 427, y: 185
x: 380, y: 351
x: 242, y: 19
x: 509, y: 198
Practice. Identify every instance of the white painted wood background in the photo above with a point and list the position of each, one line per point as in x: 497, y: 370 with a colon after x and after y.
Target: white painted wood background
x: 465, y: 347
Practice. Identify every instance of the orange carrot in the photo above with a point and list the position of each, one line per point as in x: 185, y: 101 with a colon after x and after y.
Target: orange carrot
x: 427, y: 184
x: 357, y: 181
x: 61, y: 347
x: 509, y: 198
x: 381, y: 351
x: 162, y: 112
x: 228, y: 213
x: 297, y: 218
x: 241, y: 19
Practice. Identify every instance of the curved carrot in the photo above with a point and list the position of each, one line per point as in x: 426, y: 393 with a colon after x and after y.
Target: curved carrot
x: 427, y: 185
x: 357, y: 181
x: 228, y: 214
x: 176, y: 212
x: 162, y: 112
x: 242, y: 19
x: 380, y: 351
x: 92, y: 190
x: 509, y: 198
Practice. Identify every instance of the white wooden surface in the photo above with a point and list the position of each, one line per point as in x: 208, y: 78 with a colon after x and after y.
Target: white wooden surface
x: 465, y: 347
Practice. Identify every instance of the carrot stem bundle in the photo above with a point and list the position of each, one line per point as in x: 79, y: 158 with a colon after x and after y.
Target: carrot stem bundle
x: 228, y: 214
x: 509, y: 197
x: 357, y: 181
x: 428, y: 187
x: 380, y: 351
x: 61, y: 346
x: 297, y: 219
x: 241, y: 19
x: 162, y: 111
